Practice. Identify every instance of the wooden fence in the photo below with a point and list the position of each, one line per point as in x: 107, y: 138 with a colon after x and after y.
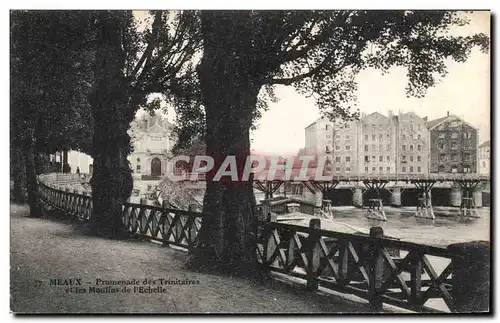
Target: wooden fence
x: 354, y: 264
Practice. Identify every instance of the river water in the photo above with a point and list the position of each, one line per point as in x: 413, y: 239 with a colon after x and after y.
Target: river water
x: 448, y: 227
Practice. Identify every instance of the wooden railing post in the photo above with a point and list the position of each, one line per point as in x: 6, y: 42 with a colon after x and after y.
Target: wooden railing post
x: 471, y: 276
x: 313, y: 254
x: 377, y: 268
x: 269, y: 243
x: 415, y: 279
x: 343, y: 261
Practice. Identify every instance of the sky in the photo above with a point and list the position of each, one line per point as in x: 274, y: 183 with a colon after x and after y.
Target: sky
x: 465, y: 92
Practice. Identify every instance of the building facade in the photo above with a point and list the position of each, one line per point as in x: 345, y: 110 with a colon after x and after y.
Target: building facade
x: 345, y: 147
x: 412, y: 142
x: 152, y: 142
x: 453, y: 145
x: 378, y: 144
x: 484, y: 158
x: 319, y: 138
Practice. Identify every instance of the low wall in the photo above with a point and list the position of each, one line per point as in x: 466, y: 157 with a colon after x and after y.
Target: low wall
x: 63, y: 182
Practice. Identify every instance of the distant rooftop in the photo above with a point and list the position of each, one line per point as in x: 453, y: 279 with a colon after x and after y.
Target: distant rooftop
x: 485, y: 144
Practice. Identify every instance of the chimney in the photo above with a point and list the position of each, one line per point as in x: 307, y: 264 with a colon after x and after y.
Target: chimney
x: 447, y: 113
x: 425, y: 119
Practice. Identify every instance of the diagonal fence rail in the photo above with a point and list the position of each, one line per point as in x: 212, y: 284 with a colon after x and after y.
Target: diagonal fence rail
x: 381, y: 270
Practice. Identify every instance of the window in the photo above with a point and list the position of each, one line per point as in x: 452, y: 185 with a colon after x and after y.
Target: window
x: 419, y: 147
x: 411, y: 136
x: 442, y: 157
x: 441, y: 135
x: 454, y: 169
x: 454, y: 135
x: 467, y: 157
x: 326, y: 127
x: 337, y: 159
x: 388, y: 158
x: 380, y: 137
x: 484, y: 164
x: 403, y: 158
x: 327, y: 149
x: 328, y: 136
x: 441, y: 168
x: 403, y: 169
x: 337, y: 169
x: 366, y: 147
x: 411, y: 147
x: 347, y: 147
x: 337, y: 137
x: 404, y: 137
x: 380, y: 158
x: 348, y: 169
x: 411, y: 169
x: 138, y: 167
x: 388, y: 169
x: 454, y: 146
x: 381, y: 169
x: 366, y: 169
x: 441, y: 146
x: 348, y: 159
x: 138, y: 160
x: 388, y: 147
x: 373, y: 147
x: 373, y: 137
x: 411, y: 158
x: 419, y: 136
x: 373, y: 169
x: 366, y: 137
x: 404, y: 147
x: 388, y: 136
x: 373, y: 158
x: 419, y: 169
x: 419, y: 158
x: 466, y: 169
x: 367, y: 159
x: 454, y: 157
x: 337, y: 147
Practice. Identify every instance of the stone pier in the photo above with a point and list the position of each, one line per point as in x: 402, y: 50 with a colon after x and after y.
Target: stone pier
x: 357, y: 197
x: 456, y: 196
x: 396, y: 197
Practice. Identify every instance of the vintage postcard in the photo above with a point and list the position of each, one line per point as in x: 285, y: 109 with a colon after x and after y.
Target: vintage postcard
x: 257, y: 161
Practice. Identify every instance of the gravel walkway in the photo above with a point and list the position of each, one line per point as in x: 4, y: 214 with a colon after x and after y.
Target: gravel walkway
x: 47, y: 249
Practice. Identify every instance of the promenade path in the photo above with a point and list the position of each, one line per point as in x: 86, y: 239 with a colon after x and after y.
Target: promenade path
x: 45, y: 249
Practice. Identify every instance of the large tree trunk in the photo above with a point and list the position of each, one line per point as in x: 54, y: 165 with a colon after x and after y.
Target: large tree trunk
x: 227, y: 236
x: 31, y: 179
x: 19, y: 175
x: 112, y: 179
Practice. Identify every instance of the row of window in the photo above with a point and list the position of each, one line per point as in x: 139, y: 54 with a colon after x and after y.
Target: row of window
x: 455, y: 135
x: 329, y: 150
x: 454, y: 169
x: 388, y: 169
x: 419, y: 147
x: 455, y: 157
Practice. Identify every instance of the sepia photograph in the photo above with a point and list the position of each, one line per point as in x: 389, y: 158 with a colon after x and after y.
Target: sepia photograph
x: 250, y: 161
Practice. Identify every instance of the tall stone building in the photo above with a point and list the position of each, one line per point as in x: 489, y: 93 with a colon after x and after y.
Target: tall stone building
x: 412, y: 153
x: 378, y: 144
x: 152, y: 141
x: 453, y: 145
x: 484, y: 158
x: 346, y: 147
x: 319, y: 138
